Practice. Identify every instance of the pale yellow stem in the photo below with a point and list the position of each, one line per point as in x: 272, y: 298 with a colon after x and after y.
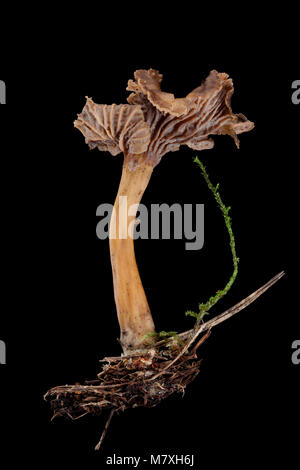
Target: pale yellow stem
x: 133, y: 311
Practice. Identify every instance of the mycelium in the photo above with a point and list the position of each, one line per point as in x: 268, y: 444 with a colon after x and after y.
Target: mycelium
x: 151, y: 125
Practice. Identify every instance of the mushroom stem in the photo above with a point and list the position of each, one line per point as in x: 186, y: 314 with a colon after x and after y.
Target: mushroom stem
x: 133, y: 311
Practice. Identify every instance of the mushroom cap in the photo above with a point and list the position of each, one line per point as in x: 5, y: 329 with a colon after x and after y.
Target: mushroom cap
x: 207, y: 112
x: 148, y: 83
x: 114, y: 128
x: 155, y: 122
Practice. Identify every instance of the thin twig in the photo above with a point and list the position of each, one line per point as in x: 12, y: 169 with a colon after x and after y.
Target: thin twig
x: 236, y: 308
x: 105, y: 430
x: 220, y: 318
x: 201, y: 341
x: 241, y: 305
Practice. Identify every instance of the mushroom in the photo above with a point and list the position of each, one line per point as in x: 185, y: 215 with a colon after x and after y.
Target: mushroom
x: 151, y: 125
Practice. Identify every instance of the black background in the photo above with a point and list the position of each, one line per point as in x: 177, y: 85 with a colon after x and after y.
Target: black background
x: 58, y: 317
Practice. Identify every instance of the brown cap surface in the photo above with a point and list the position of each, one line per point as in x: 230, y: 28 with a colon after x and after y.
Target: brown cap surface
x: 114, y: 128
x: 157, y: 123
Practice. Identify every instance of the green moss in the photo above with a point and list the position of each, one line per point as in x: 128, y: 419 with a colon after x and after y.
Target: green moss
x: 165, y: 335
x: 161, y: 334
x: 205, y: 307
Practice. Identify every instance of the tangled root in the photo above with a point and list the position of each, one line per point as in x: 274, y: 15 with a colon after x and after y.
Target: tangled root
x: 126, y: 382
x: 143, y: 379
